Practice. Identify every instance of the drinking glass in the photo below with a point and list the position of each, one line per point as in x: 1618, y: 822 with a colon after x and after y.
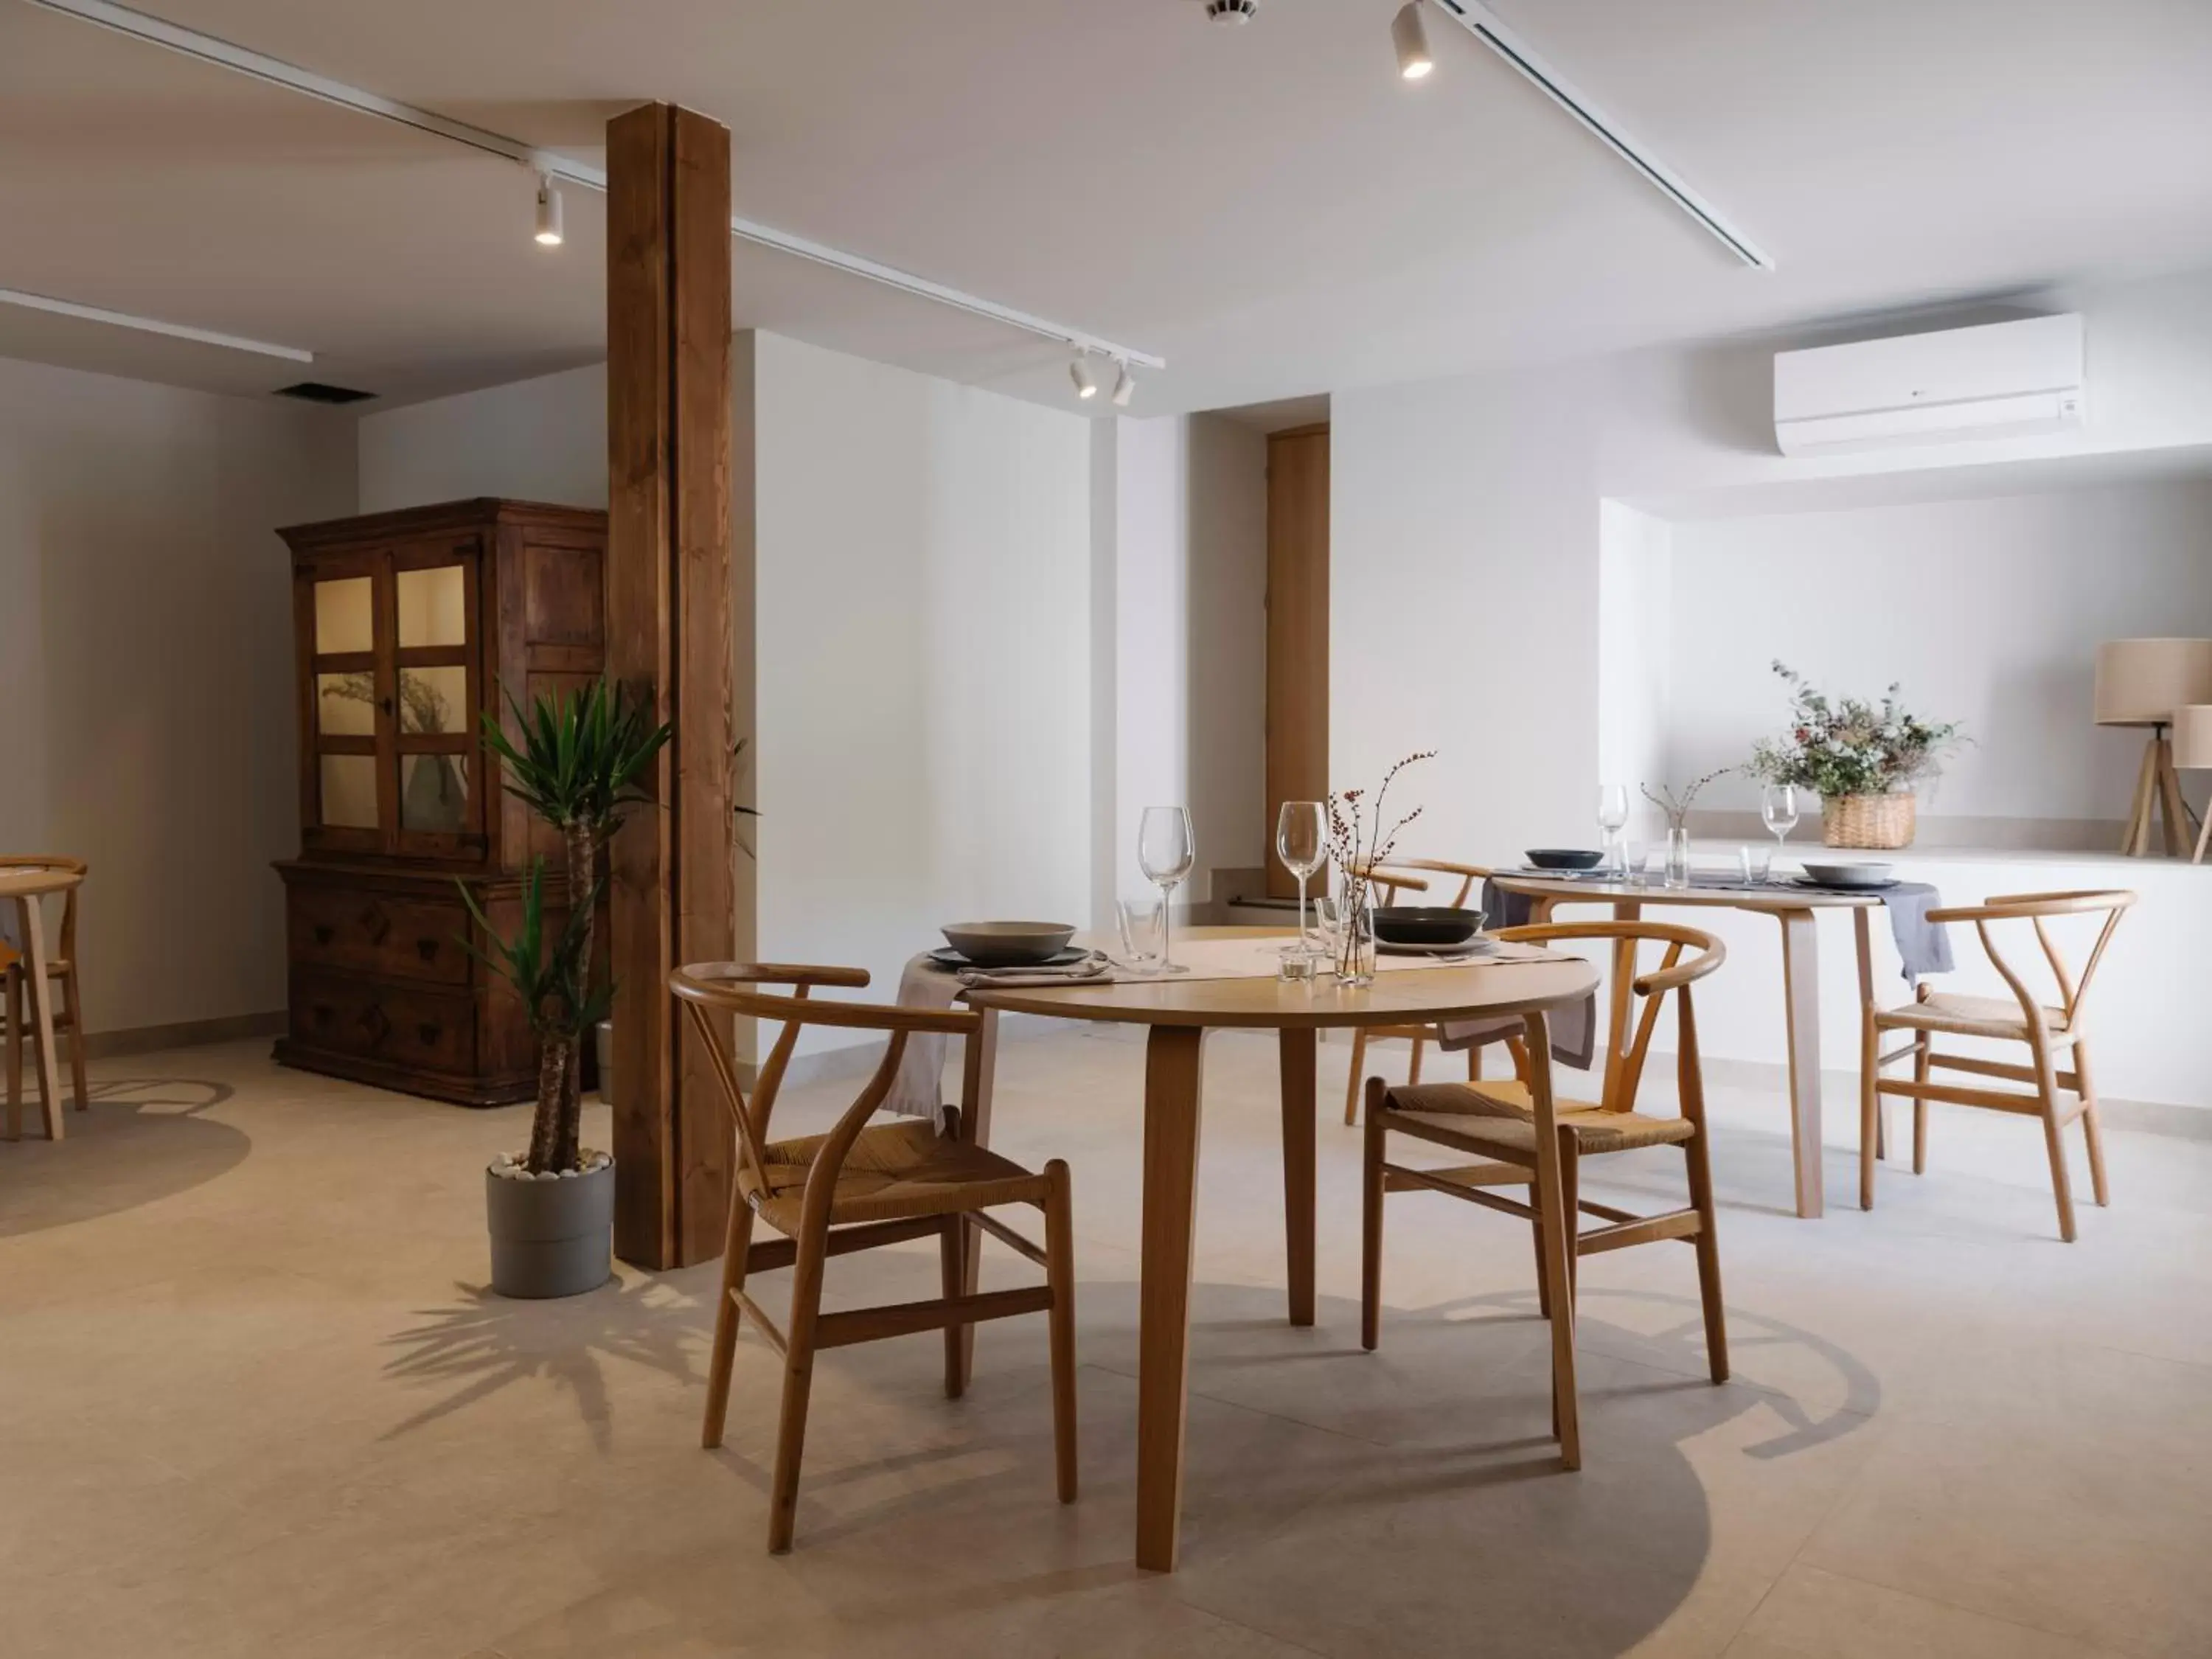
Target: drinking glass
x: 1636, y: 863
x: 1144, y: 937
x: 1612, y: 818
x: 1167, y: 853
x: 1754, y: 862
x: 1777, y: 811
x: 1301, y: 843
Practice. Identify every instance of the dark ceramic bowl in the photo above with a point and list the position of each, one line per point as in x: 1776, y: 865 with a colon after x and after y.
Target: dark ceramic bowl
x: 1008, y: 944
x: 1564, y: 858
x: 1425, y: 924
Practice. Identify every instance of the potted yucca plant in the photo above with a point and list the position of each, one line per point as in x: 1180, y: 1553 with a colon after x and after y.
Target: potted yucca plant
x: 550, y: 1208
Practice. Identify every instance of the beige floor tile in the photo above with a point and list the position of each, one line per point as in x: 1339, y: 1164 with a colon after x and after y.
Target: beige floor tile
x: 1811, y: 1614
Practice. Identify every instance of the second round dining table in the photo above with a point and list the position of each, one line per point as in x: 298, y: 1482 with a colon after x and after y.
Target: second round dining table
x: 1180, y: 1010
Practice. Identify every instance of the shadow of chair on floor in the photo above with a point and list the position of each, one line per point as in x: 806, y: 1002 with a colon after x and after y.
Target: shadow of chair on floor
x: 144, y: 1139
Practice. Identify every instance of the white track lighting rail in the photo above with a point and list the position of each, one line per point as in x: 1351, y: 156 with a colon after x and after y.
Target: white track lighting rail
x: 151, y: 325
x: 1483, y: 25
x: 155, y: 31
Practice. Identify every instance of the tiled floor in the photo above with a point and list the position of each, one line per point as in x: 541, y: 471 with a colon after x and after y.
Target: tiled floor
x: 253, y: 1400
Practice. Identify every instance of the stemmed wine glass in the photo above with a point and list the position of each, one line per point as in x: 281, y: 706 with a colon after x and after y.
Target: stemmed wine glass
x: 1166, y: 853
x: 1777, y: 811
x: 1300, y: 843
x: 1612, y: 817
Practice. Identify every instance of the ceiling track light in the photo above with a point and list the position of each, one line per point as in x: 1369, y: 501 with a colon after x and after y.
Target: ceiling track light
x: 1410, y: 35
x: 275, y: 71
x: 1125, y: 387
x: 1078, y: 370
x: 549, y: 212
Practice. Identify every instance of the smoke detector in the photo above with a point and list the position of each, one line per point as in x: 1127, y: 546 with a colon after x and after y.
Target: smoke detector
x: 1231, y: 11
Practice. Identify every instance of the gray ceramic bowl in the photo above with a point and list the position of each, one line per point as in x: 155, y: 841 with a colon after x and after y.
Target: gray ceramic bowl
x: 1853, y: 874
x: 1008, y: 944
x: 1425, y: 924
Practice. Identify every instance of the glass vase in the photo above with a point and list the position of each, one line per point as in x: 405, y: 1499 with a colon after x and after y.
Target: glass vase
x: 1355, y: 937
x: 1678, y: 858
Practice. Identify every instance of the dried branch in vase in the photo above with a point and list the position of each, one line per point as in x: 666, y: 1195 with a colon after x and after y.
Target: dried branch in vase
x: 1356, y: 845
x: 1677, y: 808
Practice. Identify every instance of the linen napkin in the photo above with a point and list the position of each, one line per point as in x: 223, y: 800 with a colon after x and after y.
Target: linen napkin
x: 918, y: 1091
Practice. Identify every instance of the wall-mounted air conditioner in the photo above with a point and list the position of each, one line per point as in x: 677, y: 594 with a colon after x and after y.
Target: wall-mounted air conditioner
x: 1999, y: 380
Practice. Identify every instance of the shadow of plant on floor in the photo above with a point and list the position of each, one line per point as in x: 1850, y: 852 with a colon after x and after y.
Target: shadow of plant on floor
x: 486, y: 1342
x: 149, y: 1141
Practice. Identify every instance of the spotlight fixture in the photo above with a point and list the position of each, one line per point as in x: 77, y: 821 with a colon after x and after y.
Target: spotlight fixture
x: 1410, y: 37
x: 1231, y: 11
x: 1078, y: 370
x: 1125, y: 387
x: 549, y: 212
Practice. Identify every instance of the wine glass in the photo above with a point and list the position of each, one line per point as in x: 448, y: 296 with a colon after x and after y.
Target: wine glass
x: 1300, y: 843
x: 1166, y: 853
x: 1613, y: 818
x: 1777, y: 811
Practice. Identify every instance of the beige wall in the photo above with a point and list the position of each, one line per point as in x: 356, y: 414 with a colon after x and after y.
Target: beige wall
x: 146, y: 721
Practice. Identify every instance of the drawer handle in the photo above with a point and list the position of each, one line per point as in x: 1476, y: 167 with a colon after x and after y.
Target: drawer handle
x: 375, y: 923
x: 375, y: 1024
x: 427, y: 949
x: 323, y: 932
x: 428, y: 1033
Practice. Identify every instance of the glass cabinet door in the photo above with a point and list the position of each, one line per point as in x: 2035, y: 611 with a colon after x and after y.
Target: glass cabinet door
x: 392, y: 664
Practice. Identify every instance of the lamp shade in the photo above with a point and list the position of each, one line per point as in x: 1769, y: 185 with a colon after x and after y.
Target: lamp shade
x: 2193, y: 736
x: 2142, y: 682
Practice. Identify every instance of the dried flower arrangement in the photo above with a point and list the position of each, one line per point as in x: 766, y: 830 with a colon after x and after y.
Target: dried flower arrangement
x: 1849, y: 746
x: 1677, y: 807
x: 1357, y: 845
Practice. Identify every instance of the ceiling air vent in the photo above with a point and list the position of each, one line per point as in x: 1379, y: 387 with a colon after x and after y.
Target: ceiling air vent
x: 1231, y: 11
x: 315, y: 391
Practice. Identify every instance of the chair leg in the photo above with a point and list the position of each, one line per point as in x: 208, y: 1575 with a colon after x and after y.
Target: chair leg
x: 798, y: 1387
x: 1371, y: 1223
x: 1570, y: 1213
x: 1869, y: 1105
x: 1566, y: 1422
x: 737, y: 1241
x: 1351, y: 1084
x: 1709, y: 1255
x: 2091, y: 1130
x: 1920, y: 1055
x: 75, y: 1008
x: 1413, y: 1067
x: 1543, y: 1275
x: 952, y: 1245
x: 1059, y: 1274
x: 14, y: 1014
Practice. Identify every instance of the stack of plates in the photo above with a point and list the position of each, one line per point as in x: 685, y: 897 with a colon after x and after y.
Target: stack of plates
x: 1851, y: 877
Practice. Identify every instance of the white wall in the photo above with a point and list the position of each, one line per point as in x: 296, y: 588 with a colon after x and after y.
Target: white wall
x: 146, y: 673
x: 1635, y: 665
x: 1990, y: 613
x: 924, y: 571
x: 1190, y: 525
x: 536, y: 440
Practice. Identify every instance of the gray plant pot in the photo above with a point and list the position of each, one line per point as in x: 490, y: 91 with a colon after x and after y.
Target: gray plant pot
x: 550, y: 1237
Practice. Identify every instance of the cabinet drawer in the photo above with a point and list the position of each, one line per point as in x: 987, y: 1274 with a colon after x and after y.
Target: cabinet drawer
x: 400, y: 1025
x: 366, y: 932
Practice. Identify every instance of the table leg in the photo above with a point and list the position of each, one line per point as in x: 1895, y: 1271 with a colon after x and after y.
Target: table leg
x: 1296, y: 1047
x: 979, y: 1066
x: 1172, y: 1113
x: 28, y: 914
x: 1801, y: 982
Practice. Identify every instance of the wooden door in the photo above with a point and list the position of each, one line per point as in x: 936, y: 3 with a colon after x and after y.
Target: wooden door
x: 1298, y: 629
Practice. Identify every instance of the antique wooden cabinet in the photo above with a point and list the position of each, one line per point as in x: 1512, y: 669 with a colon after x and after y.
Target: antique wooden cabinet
x: 408, y: 626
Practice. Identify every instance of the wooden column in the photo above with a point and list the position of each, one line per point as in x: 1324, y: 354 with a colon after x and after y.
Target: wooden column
x: 1298, y: 630
x: 668, y: 611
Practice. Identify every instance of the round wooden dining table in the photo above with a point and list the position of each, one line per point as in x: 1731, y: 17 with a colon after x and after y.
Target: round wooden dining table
x: 29, y: 884
x: 1180, y: 1010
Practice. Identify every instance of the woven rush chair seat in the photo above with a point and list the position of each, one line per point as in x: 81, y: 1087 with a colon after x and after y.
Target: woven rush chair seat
x: 1480, y: 1116
x: 1957, y: 1015
x: 893, y: 1171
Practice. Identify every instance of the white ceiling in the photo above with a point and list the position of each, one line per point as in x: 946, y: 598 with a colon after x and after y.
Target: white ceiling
x: 1268, y: 207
